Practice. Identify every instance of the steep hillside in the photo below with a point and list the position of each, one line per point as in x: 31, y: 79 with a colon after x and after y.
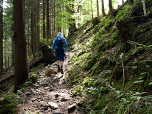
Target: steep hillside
x: 108, y: 82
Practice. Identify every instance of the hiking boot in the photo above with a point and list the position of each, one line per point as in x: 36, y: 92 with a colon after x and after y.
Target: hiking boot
x: 62, y: 71
x: 59, y: 69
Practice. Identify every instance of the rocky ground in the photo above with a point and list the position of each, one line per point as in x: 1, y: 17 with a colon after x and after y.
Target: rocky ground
x: 50, y: 94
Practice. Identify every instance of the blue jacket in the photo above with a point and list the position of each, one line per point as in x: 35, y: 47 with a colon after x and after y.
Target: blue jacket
x: 64, y: 47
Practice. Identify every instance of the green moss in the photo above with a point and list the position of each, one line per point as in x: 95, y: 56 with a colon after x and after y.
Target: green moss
x: 124, y: 13
x: 33, y: 76
x: 91, y: 62
x: 8, y: 104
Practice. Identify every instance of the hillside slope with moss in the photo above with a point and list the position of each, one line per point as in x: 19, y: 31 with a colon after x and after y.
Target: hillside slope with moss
x: 111, y: 84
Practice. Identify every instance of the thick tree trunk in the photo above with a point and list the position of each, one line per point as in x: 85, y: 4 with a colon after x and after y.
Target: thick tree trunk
x: 21, y: 69
x: 1, y: 37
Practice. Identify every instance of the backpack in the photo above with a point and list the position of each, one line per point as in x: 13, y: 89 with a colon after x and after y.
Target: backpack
x: 59, y: 42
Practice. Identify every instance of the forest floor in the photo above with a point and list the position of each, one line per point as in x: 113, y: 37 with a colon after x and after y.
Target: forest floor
x: 50, y: 94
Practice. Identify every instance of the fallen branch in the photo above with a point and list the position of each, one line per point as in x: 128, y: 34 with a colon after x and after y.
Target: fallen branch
x: 135, y: 43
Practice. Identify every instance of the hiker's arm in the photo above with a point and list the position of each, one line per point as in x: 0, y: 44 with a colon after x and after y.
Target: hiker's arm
x: 65, y: 45
x: 53, y: 46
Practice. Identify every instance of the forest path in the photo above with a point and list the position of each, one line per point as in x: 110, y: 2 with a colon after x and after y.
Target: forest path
x: 51, y: 94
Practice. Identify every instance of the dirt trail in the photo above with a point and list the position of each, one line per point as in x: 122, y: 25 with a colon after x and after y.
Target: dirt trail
x: 51, y: 94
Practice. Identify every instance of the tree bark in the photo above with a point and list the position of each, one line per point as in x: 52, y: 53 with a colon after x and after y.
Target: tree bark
x: 97, y: 9
x: 44, y: 36
x: 38, y: 19
x: 144, y: 7
x: 91, y: 9
x: 72, y: 27
x: 103, y: 11
x: 54, y: 21
x: 122, y: 1
x: 48, y: 28
x: 110, y: 7
x: 1, y: 37
x: 21, y: 69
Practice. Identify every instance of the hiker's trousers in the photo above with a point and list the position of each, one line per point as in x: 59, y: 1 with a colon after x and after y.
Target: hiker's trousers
x: 59, y: 54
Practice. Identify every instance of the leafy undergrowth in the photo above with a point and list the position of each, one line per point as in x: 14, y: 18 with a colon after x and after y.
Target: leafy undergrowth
x: 96, y: 69
x: 9, y: 101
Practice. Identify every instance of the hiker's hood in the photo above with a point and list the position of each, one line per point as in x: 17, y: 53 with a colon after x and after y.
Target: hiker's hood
x: 59, y: 34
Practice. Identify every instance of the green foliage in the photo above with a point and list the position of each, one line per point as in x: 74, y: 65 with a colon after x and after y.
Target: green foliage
x: 124, y: 13
x: 25, y: 85
x: 8, y: 104
x: 41, y: 22
x: 8, y: 18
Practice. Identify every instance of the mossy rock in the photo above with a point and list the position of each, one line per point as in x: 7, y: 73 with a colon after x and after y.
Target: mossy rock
x: 48, y: 56
x: 33, y: 77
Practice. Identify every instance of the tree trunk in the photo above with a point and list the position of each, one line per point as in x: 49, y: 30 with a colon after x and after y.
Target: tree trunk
x: 122, y: 1
x: 59, y: 26
x: 32, y: 30
x: 21, y: 69
x: 44, y: 19
x: 54, y: 20
x: 38, y: 27
x: 72, y: 27
x: 97, y: 9
x: 144, y: 7
x: 34, y: 34
x: 1, y: 37
x: 103, y: 11
x: 5, y: 52
x: 48, y: 28
x: 91, y: 9
x: 110, y: 7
